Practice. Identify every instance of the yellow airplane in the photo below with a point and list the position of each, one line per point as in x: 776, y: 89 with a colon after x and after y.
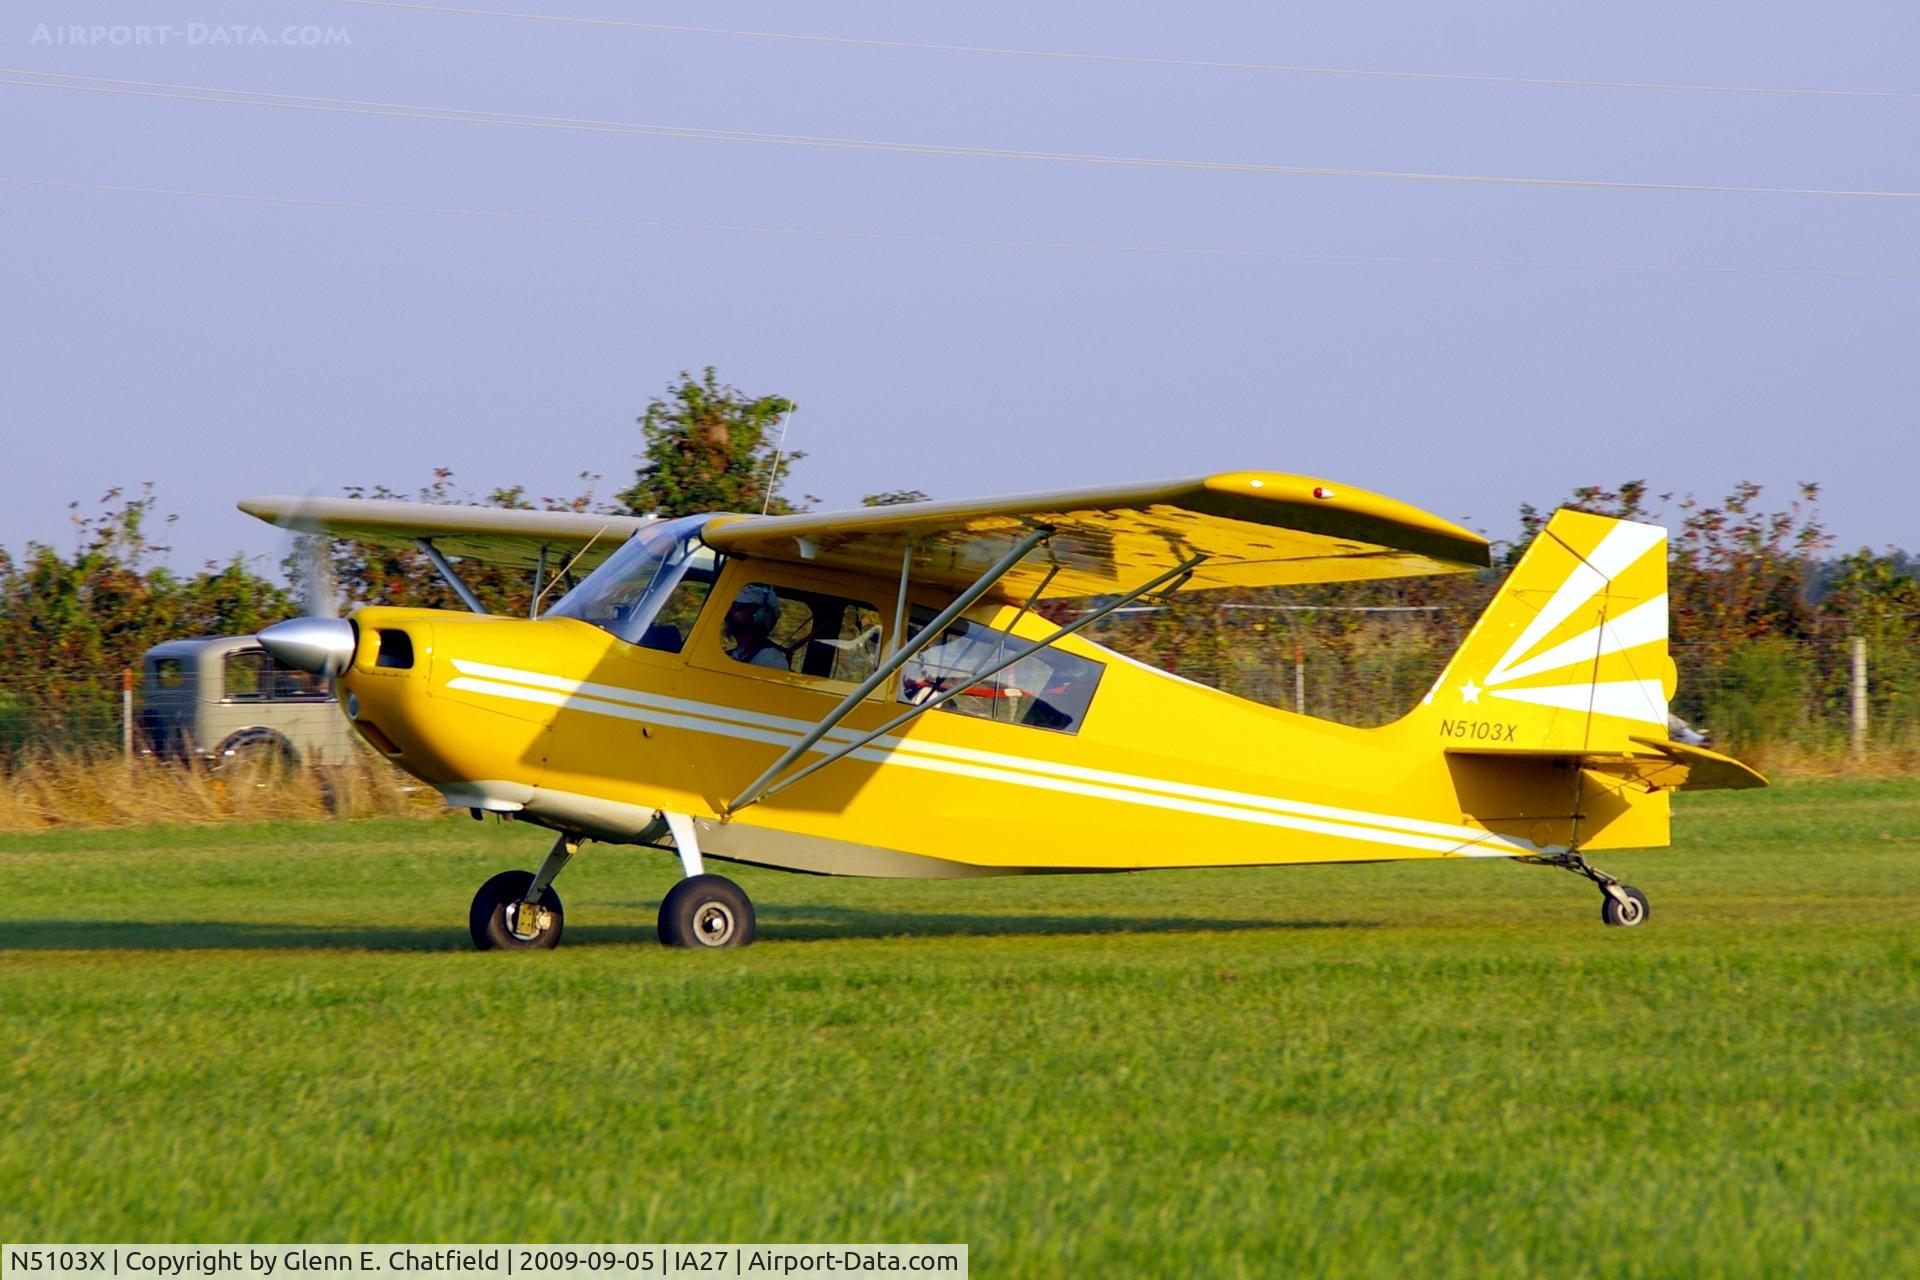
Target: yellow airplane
x: 872, y: 693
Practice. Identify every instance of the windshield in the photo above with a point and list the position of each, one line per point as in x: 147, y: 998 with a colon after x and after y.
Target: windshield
x: 625, y: 593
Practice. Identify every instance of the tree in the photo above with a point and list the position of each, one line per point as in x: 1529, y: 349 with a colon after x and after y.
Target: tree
x: 1737, y: 571
x: 365, y: 574
x: 893, y: 498
x: 1629, y: 502
x: 76, y: 622
x: 1877, y: 596
x: 708, y: 448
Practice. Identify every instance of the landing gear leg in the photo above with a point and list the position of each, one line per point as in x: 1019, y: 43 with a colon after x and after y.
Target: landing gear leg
x: 518, y: 910
x: 1621, y: 905
x: 702, y: 911
x: 686, y: 842
x: 564, y: 847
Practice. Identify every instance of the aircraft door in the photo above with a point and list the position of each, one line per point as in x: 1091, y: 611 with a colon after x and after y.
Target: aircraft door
x: 626, y: 736
x: 786, y: 650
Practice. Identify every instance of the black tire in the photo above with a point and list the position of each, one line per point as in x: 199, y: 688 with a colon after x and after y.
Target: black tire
x: 490, y: 918
x: 259, y: 752
x: 706, y: 912
x: 1629, y: 915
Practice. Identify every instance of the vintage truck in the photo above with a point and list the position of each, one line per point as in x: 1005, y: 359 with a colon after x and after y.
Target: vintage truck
x: 220, y: 700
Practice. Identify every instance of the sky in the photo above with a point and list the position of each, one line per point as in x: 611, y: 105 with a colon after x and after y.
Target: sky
x: 1004, y: 295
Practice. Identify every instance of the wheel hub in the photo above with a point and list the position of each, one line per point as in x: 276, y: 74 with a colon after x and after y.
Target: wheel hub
x: 713, y: 924
x: 526, y: 922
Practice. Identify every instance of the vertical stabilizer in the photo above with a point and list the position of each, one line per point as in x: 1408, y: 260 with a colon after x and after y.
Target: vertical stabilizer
x: 1571, y: 656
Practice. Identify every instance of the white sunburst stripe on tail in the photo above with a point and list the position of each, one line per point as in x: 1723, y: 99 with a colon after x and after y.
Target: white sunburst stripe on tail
x: 1645, y: 623
x: 733, y: 722
x: 1643, y: 700
x: 1623, y: 545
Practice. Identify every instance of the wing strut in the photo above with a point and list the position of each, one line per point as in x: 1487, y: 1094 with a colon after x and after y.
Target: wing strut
x: 900, y: 601
x: 764, y: 785
x: 453, y: 579
x: 896, y: 660
x: 539, y: 583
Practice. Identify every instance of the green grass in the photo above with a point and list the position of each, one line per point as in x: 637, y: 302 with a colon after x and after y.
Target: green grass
x: 279, y: 1033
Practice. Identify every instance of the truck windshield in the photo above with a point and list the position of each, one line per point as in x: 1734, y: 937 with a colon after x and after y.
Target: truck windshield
x: 625, y: 594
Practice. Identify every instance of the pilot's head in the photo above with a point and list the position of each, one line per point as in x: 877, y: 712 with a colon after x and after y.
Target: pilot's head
x: 754, y: 611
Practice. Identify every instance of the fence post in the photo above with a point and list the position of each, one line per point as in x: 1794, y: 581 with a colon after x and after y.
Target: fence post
x: 1299, y: 678
x: 1858, y: 644
x: 126, y: 714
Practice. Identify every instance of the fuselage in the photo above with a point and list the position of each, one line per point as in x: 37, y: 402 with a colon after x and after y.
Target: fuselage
x: 564, y: 723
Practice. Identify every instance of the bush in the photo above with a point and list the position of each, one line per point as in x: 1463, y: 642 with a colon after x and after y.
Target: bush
x: 1756, y: 695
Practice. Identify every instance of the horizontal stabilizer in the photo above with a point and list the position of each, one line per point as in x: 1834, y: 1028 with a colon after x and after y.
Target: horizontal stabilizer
x: 1663, y: 765
x: 1707, y: 770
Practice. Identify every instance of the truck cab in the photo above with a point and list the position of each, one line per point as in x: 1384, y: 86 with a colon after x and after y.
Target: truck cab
x: 220, y: 699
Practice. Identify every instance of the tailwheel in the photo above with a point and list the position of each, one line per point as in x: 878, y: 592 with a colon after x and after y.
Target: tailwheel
x: 1621, y: 905
x: 501, y: 919
x: 706, y: 911
x: 1627, y: 910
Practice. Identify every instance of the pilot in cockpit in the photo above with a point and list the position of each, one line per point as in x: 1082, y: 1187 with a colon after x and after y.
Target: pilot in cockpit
x: 748, y: 629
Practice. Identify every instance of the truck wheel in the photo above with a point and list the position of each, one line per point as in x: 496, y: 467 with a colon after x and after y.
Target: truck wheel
x: 260, y: 753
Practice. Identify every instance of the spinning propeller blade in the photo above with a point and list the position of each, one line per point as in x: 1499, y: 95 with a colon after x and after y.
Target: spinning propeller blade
x: 319, y: 640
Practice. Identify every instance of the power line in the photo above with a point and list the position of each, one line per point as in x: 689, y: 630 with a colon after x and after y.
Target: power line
x: 1271, y: 255
x: 1202, y: 64
x: 460, y: 115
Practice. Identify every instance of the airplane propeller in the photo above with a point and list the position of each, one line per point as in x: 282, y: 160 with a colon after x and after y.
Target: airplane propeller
x: 319, y: 640
x: 317, y: 586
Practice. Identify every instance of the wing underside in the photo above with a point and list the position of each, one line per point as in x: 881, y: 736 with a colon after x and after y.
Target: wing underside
x: 494, y: 535
x: 1256, y: 529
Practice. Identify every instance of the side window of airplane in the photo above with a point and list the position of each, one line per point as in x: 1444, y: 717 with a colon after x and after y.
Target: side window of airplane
x: 807, y: 633
x: 1050, y: 690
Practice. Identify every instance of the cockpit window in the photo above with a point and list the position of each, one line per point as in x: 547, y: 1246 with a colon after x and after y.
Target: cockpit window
x: 677, y: 600
x: 649, y: 591
x: 1051, y: 689
x: 807, y: 633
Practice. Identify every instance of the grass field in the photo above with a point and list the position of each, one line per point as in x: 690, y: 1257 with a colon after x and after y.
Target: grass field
x: 279, y: 1033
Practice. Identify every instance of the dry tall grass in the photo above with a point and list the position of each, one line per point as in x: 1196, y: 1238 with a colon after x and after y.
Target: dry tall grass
x: 87, y: 789
x: 1792, y: 762
x: 90, y: 789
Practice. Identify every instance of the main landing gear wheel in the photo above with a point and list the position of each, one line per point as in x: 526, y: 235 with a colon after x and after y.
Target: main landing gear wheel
x: 706, y: 911
x: 500, y: 921
x: 1627, y: 911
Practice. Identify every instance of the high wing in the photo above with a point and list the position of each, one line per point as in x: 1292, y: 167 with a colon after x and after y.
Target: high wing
x: 495, y: 535
x: 1255, y: 528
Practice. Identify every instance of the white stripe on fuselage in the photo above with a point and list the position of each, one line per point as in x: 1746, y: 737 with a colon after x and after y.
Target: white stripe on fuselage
x: 733, y: 722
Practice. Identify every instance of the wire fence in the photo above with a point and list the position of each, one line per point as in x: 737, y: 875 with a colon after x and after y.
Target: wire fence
x: 1817, y: 696
x: 1752, y: 695
x: 89, y: 724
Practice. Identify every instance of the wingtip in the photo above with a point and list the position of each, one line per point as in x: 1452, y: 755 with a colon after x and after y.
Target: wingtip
x: 1313, y: 491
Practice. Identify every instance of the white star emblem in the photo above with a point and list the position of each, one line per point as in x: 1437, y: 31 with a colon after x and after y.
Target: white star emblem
x: 1469, y: 692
